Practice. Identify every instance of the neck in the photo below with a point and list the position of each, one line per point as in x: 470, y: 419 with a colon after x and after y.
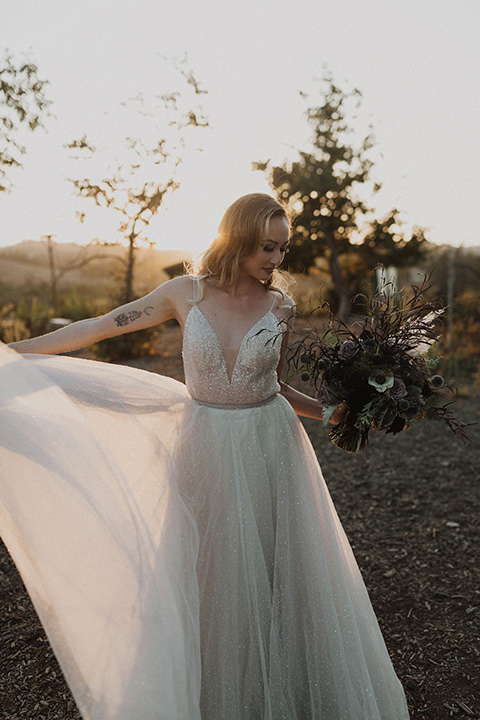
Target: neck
x: 245, y: 285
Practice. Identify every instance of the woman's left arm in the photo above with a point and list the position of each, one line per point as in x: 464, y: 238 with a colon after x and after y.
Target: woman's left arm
x: 303, y: 404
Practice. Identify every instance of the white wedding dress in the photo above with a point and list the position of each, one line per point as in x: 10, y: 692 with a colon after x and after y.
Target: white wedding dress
x: 184, y: 555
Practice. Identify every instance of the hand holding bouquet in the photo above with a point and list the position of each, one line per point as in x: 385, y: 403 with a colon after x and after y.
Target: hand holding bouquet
x: 380, y: 373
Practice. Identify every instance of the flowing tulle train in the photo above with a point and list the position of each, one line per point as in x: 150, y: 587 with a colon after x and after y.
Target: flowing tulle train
x: 91, y: 514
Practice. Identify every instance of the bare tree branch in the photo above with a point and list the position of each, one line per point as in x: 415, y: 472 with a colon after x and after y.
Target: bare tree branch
x: 137, y: 188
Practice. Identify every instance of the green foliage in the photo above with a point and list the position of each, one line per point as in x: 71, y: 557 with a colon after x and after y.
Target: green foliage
x: 34, y: 313
x: 23, y: 315
x: 129, y: 346
x: 459, y: 364
x: 462, y: 265
x: 12, y: 328
x: 22, y: 103
x: 77, y: 303
x: 384, y: 243
x: 456, y: 274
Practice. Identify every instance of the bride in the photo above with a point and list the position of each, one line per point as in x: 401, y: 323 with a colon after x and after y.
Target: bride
x: 179, y: 542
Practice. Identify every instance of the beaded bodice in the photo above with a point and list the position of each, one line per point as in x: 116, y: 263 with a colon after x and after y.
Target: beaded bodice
x: 253, y: 377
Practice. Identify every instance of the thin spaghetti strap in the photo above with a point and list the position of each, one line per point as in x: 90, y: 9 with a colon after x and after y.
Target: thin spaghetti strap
x: 275, y: 299
x: 197, y: 294
x: 195, y: 290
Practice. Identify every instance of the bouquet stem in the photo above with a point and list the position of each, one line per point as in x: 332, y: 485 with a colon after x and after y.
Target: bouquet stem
x: 348, y: 437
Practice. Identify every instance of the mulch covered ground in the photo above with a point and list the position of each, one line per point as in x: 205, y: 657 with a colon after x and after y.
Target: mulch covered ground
x: 410, y: 505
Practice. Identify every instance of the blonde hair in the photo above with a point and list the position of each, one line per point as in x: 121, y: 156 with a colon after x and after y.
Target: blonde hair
x: 239, y: 235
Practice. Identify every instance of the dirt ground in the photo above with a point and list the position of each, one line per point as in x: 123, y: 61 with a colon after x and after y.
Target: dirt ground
x: 410, y: 505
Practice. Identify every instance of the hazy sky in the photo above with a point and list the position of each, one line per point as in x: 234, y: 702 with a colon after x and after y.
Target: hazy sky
x: 415, y: 61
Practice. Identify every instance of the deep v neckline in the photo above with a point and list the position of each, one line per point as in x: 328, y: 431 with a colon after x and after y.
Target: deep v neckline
x: 222, y: 352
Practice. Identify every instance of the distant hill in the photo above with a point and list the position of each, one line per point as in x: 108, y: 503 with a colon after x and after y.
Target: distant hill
x: 27, y: 264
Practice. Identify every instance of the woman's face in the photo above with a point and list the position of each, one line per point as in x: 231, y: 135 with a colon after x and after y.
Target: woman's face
x: 271, y: 250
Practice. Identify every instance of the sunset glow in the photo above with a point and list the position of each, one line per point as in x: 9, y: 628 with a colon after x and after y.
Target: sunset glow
x: 414, y: 63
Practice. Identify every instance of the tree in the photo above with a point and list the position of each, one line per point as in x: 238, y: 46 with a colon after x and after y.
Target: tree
x: 137, y: 186
x: 84, y: 256
x: 383, y: 242
x: 136, y: 203
x: 22, y: 103
x: 321, y: 191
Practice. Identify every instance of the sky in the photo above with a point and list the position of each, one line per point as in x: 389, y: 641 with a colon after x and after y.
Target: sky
x: 416, y: 63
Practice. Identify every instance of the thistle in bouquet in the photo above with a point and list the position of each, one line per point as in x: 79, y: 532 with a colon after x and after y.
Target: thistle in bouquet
x: 379, y: 370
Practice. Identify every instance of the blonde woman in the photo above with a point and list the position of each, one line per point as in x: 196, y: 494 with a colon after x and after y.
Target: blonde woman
x: 179, y: 543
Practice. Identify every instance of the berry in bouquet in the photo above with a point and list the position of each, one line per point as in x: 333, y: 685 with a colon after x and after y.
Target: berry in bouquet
x: 380, y: 370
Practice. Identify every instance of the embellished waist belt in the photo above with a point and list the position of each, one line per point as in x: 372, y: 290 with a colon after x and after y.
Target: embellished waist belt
x: 241, y: 406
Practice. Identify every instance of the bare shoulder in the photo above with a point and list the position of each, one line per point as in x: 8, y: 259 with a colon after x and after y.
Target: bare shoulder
x: 178, y: 288
x: 179, y: 293
x: 284, y: 305
x: 288, y: 302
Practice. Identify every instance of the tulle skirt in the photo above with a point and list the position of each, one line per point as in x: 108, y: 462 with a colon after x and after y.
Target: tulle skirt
x: 186, y: 561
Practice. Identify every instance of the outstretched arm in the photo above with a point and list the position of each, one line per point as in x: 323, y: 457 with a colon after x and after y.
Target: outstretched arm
x: 146, y: 312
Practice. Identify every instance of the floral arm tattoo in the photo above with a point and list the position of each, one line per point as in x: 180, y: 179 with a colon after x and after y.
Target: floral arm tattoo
x: 126, y: 318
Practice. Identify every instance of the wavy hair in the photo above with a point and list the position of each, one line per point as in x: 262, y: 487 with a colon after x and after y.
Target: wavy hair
x: 239, y: 235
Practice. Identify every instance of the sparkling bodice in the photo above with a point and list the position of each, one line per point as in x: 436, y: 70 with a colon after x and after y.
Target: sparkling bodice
x: 254, y: 375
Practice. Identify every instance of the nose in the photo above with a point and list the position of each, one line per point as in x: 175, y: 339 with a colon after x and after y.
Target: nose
x: 277, y: 257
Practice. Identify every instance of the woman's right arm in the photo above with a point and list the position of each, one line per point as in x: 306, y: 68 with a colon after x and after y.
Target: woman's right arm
x: 156, y: 307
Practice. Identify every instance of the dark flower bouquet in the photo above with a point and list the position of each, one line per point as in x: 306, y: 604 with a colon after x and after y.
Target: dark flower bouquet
x: 380, y: 373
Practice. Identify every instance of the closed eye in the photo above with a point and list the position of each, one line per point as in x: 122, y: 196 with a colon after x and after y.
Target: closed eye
x: 271, y: 248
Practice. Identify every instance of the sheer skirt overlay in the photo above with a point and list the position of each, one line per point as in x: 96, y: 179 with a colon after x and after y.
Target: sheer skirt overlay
x: 186, y: 561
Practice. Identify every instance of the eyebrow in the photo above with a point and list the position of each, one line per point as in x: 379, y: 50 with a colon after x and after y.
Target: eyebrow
x: 275, y: 242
